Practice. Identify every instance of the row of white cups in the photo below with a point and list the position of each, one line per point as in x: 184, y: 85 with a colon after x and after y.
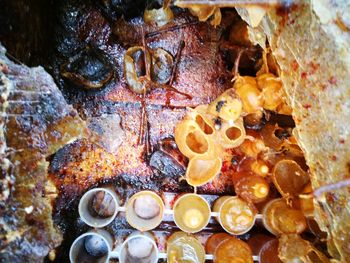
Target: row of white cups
x: 97, y: 234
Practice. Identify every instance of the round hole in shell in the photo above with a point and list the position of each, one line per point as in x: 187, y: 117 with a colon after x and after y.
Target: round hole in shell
x: 205, y: 127
x: 197, y: 142
x: 233, y: 133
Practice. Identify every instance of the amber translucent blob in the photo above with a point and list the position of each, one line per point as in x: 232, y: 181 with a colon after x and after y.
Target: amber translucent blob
x: 280, y: 218
x: 233, y: 250
x: 204, y: 12
x: 236, y: 216
x: 259, y: 167
x: 160, y: 16
x: 206, y: 132
x: 257, y: 240
x: 269, y: 252
x: 185, y: 249
x: 134, y: 68
x: 249, y: 93
x: 201, y: 170
x: 252, y: 188
x: 293, y: 248
x: 252, y: 147
x: 227, y: 106
x: 272, y: 91
x: 214, y: 240
x: 270, y: 138
x: 289, y: 178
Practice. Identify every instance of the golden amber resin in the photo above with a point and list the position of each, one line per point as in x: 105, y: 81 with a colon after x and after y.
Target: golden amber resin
x: 191, y: 213
x: 233, y: 250
x: 280, y: 218
x: 184, y: 248
x: 201, y: 170
x: 236, y: 216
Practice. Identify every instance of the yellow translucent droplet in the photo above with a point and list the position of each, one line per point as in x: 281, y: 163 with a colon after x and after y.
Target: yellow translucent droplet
x: 260, y: 190
x: 264, y: 169
x: 260, y: 168
x: 193, y: 218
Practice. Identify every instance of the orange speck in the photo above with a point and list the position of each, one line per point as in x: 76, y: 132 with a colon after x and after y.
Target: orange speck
x: 314, y: 67
x: 332, y: 80
x: 295, y: 65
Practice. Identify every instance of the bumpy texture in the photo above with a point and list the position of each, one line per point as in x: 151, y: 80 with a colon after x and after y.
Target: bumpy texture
x: 311, y: 43
x: 35, y: 121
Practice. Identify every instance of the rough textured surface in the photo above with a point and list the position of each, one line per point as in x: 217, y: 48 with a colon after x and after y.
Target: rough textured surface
x: 35, y: 122
x: 311, y: 43
x: 313, y: 59
x: 201, y: 72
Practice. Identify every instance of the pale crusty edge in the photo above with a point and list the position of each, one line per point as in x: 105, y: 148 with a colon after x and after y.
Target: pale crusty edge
x: 312, y: 48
